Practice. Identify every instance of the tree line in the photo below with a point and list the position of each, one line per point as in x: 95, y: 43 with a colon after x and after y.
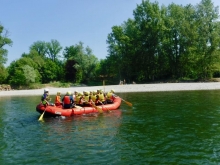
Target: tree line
x: 159, y: 43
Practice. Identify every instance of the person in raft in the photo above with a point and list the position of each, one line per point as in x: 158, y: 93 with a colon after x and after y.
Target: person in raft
x: 86, y: 99
x: 110, y: 96
x: 101, y: 97
x: 79, y: 99
x: 68, y: 101
x: 58, y: 101
x: 45, y: 98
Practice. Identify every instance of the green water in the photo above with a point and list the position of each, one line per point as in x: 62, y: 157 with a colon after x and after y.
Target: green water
x: 160, y: 128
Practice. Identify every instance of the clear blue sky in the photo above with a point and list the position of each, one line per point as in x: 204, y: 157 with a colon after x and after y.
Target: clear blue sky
x: 68, y: 21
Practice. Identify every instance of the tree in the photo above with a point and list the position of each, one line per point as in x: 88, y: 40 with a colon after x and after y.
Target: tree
x: 85, y: 61
x: 4, y: 40
x: 29, y: 74
x: 208, y: 38
x: 3, y: 75
x: 50, y: 71
x: 70, y: 71
x: 54, y: 49
x: 23, y: 72
x: 40, y: 47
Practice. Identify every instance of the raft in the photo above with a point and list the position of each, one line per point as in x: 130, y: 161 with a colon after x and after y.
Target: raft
x: 52, y: 110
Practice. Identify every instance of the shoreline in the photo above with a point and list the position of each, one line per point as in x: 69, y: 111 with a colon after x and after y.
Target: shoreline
x: 159, y: 87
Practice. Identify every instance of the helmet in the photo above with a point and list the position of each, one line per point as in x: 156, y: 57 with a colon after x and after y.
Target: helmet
x: 68, y: 93
x: 58, y: 92
x: 75, y: 91
x: 112, y: 90
x: 80, y: 94
x: 46, y: 90
x: 94, y: 92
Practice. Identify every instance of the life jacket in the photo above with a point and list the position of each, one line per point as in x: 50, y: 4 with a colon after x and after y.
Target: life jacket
x: 101, y: 97
x: 78, y: 100
x: 66, y: 100
x: 57, y: 99
x: 45, y: 97
x: 109, y: 96
x: 86, y: 98
x: 94, y: 98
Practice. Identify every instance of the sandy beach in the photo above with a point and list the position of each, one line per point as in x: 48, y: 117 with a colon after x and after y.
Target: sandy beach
x: 121, y: 88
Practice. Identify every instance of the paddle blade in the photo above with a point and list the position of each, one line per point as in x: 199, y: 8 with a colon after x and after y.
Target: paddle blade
x: 97, y: 108
x: 128, y: 103
x: 100, y: 110
x: 41, y: 116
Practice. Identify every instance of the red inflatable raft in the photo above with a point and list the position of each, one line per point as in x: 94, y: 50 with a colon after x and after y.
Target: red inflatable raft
x: 59, y: 111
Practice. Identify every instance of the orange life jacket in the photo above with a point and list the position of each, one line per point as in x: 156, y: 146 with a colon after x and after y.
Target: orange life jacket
x: 57, y: 99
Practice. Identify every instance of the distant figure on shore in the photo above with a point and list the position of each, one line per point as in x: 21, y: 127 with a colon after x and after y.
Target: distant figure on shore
x: 124, y: 82
x: 134, y: 82
x: 120, y: 82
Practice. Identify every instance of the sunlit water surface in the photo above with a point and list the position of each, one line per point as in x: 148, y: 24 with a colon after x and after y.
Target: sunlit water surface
x: 160, y: 128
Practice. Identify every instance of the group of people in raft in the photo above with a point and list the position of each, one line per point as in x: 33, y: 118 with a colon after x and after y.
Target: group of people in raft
x: 80, y: 99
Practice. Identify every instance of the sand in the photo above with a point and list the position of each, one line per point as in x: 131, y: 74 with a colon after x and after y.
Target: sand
x: 121, y: 88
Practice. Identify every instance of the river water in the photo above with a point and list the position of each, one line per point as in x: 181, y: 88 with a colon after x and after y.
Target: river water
x: 160, y: 128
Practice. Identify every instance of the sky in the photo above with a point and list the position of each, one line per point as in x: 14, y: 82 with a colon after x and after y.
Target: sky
x: 67, y: 21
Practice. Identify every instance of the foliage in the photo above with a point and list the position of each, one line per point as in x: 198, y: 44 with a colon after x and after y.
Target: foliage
x: 3, y: 75
x: 50, y: 49
x: 4, y: 40
x: 29, y: 73
x: 171, y: 42
x: 85, y: 62
x: 166, y: 42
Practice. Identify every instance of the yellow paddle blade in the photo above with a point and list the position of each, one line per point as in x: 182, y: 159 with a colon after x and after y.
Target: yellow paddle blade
x: 128, y: 103
x: 100, y: 110
x: 97, y: 108
x: 41, y: 116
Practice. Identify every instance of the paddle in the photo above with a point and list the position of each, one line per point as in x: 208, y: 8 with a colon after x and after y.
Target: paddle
x: 105, y: 107
x: 97, y: 108
x: 42, y: 115
x: 128, y: 103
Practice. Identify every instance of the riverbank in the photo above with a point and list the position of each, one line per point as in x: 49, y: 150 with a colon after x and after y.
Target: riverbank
x: 121, y: 88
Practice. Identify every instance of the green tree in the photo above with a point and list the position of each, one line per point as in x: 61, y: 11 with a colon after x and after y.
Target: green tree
x: 50, y: 71
x: 4, y: 40
x: 54, y: 49
x: 40, y: 47
x: 23, y: 72
x: 3, y: 74
x: 208, y: 38
x: 29, y: 74
x: 85, y: 61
